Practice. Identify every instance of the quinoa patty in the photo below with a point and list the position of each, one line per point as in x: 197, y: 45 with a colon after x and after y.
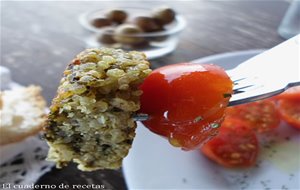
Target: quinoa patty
x: 90, y: 120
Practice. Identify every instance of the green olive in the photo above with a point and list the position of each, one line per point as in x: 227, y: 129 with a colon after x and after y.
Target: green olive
x: 147, y: 24
x: 100, y: 22
x: 164, y: 15
x: 117, y: 16
x: 126, y: 34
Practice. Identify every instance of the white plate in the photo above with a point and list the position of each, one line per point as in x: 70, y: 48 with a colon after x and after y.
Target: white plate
x: 154, y: 164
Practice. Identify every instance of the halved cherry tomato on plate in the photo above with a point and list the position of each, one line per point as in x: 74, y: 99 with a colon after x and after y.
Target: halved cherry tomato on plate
x: 185, y: 102
x: 291, y: 93
x: 235, y: 145
x: 288, y: 104
x: 261, y: 116
x: 289, y: 110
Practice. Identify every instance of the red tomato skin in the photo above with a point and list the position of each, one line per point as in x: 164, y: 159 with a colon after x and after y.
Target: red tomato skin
x: 235, y: 146
x: 176, y: 98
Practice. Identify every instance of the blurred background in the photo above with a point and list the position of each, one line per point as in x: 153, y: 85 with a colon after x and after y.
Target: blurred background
x: 39, y: 38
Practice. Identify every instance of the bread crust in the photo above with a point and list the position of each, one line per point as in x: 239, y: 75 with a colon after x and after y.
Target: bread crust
x: 14, y: 133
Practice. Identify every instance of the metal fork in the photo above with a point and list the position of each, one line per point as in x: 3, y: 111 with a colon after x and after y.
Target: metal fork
x: 265, y: 75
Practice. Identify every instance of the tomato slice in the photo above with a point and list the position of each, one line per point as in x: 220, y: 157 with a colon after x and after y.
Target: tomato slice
x: 185, y: 102
x: 261, y: 116
x: 291, y: 93
x: 289, y: 110
x: 288, y: 104
x: 236, y: 145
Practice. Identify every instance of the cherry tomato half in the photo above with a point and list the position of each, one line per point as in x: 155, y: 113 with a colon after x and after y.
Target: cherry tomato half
x: 289, y: 110
x: 291, y: 93
x: 261, y: 116
x: 185, y: 102
x: 288, y: 104
x: 236, y: 145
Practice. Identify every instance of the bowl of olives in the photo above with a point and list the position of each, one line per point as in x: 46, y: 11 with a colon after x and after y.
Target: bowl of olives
x: 155, y: 32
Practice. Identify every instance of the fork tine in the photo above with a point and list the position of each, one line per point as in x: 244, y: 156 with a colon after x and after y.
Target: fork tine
x: 241, y: 89
x: 237, y: 80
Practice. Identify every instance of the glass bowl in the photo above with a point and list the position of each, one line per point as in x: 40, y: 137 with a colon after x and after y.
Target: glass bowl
x: 153, y: 44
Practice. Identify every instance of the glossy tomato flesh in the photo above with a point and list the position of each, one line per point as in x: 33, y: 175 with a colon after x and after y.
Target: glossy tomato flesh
x: 185, y: 102
x: 235, y: 145
x: 291, y: 93
x: 261, y: 116
x: 290, y: 111
x: 288, y: 104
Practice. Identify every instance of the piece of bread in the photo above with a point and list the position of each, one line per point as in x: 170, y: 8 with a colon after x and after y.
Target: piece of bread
x: 22, y: 113
x: 90, y: 120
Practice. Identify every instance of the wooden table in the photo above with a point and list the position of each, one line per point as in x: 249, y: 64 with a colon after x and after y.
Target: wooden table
x: 39, y: 38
